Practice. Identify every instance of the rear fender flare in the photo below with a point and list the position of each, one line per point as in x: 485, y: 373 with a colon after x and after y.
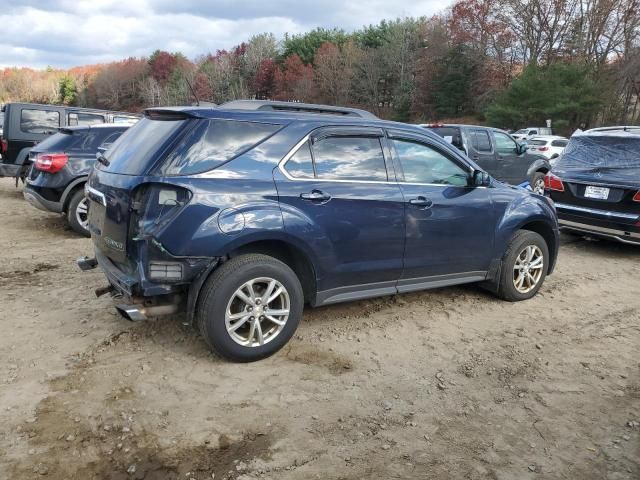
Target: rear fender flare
x: 538, y: 165
x: 66, y: 195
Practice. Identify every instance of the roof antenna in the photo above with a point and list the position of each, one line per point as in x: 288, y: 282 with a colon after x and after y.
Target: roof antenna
x: 193, y: 92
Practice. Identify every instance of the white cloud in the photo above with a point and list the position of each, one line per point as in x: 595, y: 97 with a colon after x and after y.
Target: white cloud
x: 64, y: 33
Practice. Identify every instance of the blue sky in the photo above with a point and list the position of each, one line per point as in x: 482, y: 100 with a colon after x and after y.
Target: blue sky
x: 65, y: 33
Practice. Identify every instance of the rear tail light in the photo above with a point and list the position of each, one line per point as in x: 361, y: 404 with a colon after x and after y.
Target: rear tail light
x: 636, y: 197
x: 3, y: 146
x: 51, y: 162
x: 543, y: 149
x: 551, y: 182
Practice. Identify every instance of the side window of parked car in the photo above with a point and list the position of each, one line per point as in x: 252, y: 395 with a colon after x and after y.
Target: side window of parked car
x: 423, y: 164
x: 481, y: 141
x: 349, y: 158
x: 559, y: 143
x: 300, y: 165
x: 39, y: 121
x: 505, y: 144
x: 74, y: 118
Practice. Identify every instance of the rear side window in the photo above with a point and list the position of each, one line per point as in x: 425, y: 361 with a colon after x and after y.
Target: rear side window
x: 84, y: 119
x: 481, y: 141
x: 39, y: 121
x: 349, y: 158
x: 214, y: 142
x: 134, y: 152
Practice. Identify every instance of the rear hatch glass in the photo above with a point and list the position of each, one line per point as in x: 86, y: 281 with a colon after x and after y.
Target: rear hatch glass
x: 134, y: 152
x: 537, y: 143
x: 613, y: 158
x: 57, y: 142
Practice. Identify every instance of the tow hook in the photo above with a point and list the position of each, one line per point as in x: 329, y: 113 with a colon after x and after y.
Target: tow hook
x: 86, y: 263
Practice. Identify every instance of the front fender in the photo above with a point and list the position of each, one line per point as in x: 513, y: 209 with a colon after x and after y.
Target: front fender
x: 517, y: 208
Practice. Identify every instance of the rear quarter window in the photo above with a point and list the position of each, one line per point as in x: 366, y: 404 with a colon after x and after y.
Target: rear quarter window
x: 39, y: 121
x: 214, y: 142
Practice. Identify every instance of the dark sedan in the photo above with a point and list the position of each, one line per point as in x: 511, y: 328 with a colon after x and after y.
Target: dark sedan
x: 60, y: 168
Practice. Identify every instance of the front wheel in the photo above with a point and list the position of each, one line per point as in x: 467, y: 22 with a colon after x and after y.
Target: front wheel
x: 537, y: 183
x: 78, y: 213
x: 524, y: 266
x: 250, y: 307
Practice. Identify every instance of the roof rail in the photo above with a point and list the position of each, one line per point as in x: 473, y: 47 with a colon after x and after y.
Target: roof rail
x: 621, y: 128
x: 295, y: 107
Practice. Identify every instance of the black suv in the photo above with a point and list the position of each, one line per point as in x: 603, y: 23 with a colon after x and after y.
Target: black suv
x: 241, y: 214
x: 26, y: 124
x: 61, y: 165
x: 595, y: 184
x: 498, y: 153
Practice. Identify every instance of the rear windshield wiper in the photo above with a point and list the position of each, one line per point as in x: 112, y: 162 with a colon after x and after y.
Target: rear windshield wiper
x: 102, y: 159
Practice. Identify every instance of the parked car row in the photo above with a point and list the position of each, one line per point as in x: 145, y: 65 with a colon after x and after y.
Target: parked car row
x: 26, y: 124
x: 239, y: 215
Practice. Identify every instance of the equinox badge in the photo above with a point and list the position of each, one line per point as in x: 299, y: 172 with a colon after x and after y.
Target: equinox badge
x: 113, y: 244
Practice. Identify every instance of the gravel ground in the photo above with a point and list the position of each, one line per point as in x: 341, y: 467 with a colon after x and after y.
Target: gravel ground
x: 450, y: 383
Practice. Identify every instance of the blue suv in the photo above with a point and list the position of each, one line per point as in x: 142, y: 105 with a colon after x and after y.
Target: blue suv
x: 240, y: 215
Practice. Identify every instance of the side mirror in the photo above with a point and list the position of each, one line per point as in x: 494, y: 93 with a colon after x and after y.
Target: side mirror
x: 480, y: 179
x: 521, y: 148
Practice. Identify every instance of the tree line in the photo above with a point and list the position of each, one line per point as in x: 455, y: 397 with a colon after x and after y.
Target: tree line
x: 503, y: 62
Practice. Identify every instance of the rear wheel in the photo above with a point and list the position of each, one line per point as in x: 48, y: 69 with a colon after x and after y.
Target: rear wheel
x: 78, y: 213
x: 537, y: 183
x: 524, y: 266
x: 250, y: 307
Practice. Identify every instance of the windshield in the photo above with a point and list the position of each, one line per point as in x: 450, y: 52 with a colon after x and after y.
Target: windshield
x: 134, y: 152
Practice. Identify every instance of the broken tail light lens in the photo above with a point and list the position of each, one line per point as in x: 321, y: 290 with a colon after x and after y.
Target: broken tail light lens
x: 551, y: 182
x: 51, y: 162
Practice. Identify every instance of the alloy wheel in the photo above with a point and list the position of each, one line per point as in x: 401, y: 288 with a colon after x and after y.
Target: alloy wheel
x: 528, y: 267
x: 257, y: 312
x: 538, y: 186
x: 82, y: 213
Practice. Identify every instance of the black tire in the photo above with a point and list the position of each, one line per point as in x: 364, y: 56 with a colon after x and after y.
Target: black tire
x: 506, y: 287
x: 77, y: 199
x: 537, y: 181
x: 220, y: 288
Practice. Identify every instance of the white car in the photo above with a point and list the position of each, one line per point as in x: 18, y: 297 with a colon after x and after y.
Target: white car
x: 550, y: 146
x: 530, y: 132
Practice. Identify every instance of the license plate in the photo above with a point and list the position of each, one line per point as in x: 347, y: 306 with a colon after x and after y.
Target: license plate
x: 599, y: 193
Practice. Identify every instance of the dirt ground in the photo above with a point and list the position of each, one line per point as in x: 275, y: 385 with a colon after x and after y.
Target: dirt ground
x: 450, y: 383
